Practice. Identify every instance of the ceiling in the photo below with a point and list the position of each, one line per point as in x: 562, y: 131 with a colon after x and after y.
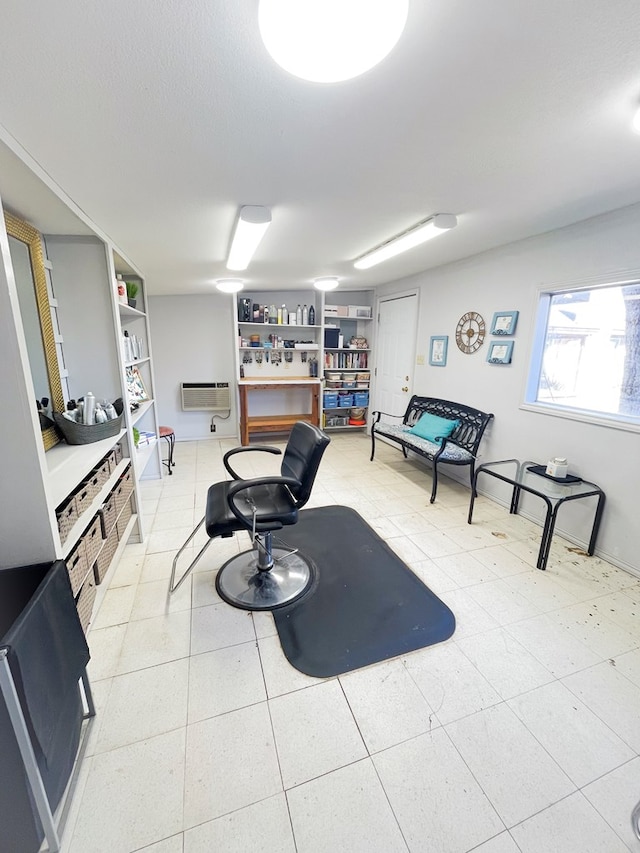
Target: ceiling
x: 160, y: 119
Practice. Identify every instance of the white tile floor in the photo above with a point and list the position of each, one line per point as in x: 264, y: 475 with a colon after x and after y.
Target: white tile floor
x: 520, y: 733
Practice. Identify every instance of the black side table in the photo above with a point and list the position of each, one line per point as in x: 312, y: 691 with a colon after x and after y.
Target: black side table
x: 529, y: 477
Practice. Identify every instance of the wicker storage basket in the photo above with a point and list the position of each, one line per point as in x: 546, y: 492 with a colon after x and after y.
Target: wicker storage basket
x: 84, y: 601
x: 123, y: 519
x: 67, y: 515
x: 123, y: 489
x: 105, y: 556
x: 77, y: 566
x: 86, y: 433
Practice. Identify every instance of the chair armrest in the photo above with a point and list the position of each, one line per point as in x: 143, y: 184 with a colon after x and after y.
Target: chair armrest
x: 266, y: 448
x: 243, y: 485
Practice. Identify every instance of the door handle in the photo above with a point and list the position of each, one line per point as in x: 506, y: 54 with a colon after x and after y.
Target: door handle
x: 405, y: 388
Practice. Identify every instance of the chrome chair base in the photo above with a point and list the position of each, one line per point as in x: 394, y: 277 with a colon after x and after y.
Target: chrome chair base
x: 241, y: 584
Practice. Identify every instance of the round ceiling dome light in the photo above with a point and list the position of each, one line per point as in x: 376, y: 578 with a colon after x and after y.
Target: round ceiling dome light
x: 328, y: 282
x: 229, y: 285
x: 327, y: 41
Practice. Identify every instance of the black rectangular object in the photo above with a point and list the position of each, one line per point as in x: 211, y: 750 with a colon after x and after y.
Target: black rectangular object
x: 47, y: 654
x: 331, y: 337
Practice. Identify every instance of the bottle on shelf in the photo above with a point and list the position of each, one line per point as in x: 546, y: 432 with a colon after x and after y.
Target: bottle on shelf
x: 266, y: 313
x: 312, y: 315
x: 299, y: 315
x: 285, y: 316
x: 122, y: 290
x: 305, y: 316
x: 273, y: 314
x: 88, y: 408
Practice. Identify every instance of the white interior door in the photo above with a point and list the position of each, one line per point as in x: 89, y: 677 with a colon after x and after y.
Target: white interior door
x: 396, y: 346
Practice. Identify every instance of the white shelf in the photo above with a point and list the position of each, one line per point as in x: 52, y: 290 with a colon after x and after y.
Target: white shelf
x: 277, y: 325
x: 346, y: 426
x: 137, y: 361
x: 69, y: 464
x: 144, y: 454
x: 141, y: 411
x: 352, y: 319
x: 345, y: 349
x: 127, y: 311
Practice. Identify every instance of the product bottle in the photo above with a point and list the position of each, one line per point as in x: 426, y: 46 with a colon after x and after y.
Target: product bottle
x: 285, y: 316
x: 273, y: 314
x: 89, y: 408
x: 312, y: 315
x: 122, y: 290
x: 299, y: 315
x: 266, y: 313
x: 305, y: 316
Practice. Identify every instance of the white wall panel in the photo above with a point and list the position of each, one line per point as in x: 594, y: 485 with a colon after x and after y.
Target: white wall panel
x: 192, y: 341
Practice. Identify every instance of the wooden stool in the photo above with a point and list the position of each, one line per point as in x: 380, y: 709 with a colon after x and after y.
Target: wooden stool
x: 169, y: 434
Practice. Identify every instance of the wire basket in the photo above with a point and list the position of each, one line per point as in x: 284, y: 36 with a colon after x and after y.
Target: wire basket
x: 74, y: 433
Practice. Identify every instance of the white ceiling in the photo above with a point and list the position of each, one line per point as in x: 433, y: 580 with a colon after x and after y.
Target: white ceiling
x: 160, y: 119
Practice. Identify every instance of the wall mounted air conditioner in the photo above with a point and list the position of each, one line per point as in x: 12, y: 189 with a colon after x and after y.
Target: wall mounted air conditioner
x: 205, y: 396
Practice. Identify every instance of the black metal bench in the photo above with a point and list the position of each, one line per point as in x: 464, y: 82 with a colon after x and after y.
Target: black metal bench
x: 461, y: 448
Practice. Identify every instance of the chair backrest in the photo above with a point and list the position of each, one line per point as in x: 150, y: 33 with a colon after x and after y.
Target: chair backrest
x: 302, y: 457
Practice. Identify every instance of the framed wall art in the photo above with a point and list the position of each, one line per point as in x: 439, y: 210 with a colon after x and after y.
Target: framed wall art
x: 504, y: 322
x: 500, y: 352
x: 438, y: 350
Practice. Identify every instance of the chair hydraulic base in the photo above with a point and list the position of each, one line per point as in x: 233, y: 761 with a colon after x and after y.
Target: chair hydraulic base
x: 242, y: 583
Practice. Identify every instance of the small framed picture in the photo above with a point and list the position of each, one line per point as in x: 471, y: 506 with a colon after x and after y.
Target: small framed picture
x: 500, y: 352
x: 504, y: 322
x: 136, y: 390
x: 438, y: 350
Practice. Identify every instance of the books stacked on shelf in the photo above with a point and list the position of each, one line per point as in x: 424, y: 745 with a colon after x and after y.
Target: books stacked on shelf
x: 346, y: 360
x: 146, y: 437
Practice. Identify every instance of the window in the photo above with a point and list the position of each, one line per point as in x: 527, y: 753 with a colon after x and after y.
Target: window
x: 586, y: 359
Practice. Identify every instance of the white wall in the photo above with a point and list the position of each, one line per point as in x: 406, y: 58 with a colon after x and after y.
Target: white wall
x: 192, y: 340
x: 507, y: 279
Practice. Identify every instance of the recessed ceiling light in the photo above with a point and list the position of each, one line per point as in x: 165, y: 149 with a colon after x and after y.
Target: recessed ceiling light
x: 328, y: 282
x: 426, y: 230
x: 252, y: 223
x: 327, y: 41
x: 229, y: 285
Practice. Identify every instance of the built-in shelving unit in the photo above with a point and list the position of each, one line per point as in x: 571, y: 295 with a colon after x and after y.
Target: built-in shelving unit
x: 348, y: 333
x: 278, y: 364
x: 55, y: 502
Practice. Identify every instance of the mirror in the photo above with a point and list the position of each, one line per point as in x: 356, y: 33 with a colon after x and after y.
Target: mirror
x: 27, y: 259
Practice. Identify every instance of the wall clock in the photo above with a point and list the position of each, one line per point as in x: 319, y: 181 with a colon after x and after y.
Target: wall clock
x: 470, y: 332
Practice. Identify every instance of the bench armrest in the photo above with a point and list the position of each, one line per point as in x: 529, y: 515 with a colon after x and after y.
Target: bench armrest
x: 378, y: 414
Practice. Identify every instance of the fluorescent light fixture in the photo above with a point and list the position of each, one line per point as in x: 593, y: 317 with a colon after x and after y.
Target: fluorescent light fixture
x: 328, y: 282
x: 636, y: 121
x: 327, y: 41
x: 252, y: 223
x: 229, y: 285
x: 426, y: 230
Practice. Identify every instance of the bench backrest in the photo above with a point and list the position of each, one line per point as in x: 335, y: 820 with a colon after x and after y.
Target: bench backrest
x: 473, y: 422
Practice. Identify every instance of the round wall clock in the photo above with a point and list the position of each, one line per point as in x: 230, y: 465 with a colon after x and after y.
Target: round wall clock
x: 470, y: 332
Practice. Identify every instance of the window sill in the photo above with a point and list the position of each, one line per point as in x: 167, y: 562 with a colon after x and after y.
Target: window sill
x: 597, y: 418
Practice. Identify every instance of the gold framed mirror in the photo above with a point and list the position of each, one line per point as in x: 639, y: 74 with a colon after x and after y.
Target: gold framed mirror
x: 27, y: 259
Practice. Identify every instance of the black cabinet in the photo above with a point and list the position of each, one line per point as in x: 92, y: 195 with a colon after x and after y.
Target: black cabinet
x: 43, y: 657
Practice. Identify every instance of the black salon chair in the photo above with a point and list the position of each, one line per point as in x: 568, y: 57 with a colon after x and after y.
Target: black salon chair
x: 264, y: 577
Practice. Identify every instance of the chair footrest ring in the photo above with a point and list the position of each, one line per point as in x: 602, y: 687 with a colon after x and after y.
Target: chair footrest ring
x: 241, y: 584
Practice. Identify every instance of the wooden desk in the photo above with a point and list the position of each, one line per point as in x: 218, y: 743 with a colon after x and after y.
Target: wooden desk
x: 276, y: 423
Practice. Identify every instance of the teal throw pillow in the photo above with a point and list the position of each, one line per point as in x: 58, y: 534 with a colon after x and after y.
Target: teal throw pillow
x: 433, y: 428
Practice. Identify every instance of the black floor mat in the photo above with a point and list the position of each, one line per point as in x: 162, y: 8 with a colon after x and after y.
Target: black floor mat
x: 365, y: 606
